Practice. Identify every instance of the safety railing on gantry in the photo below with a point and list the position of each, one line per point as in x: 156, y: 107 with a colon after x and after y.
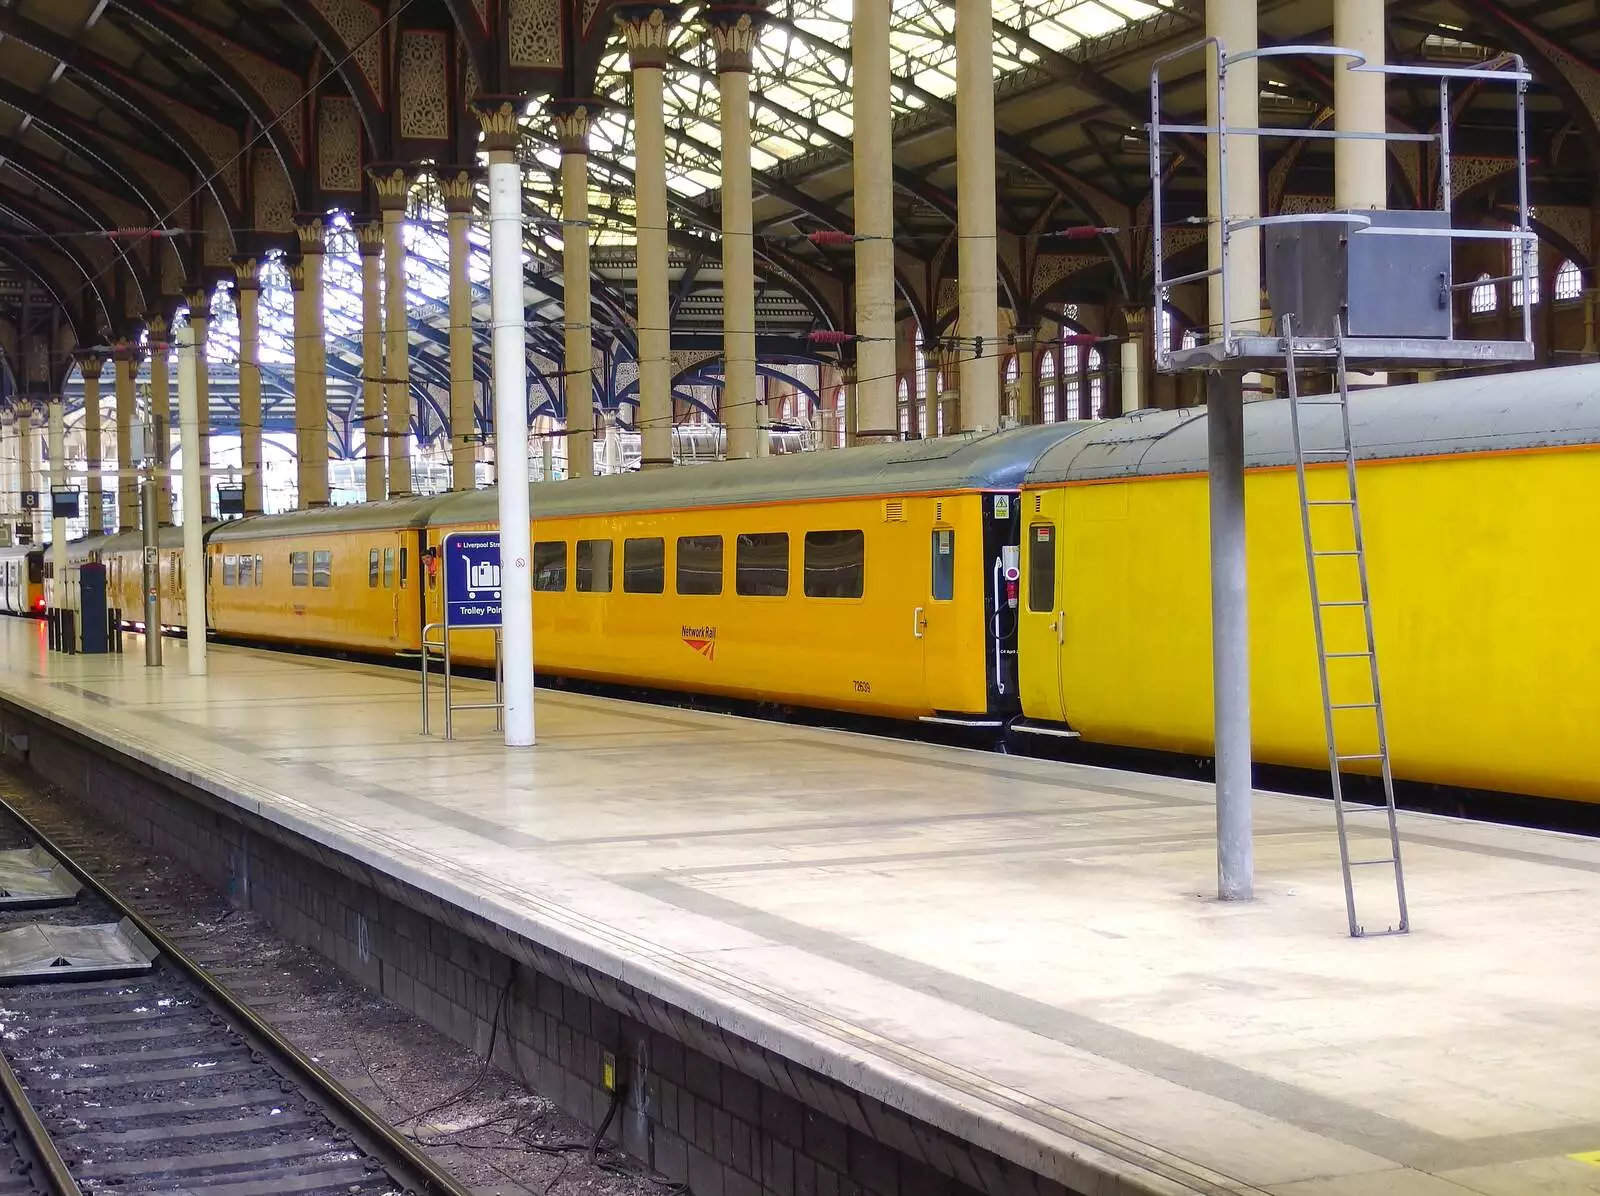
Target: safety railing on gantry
x: 1325, y: 265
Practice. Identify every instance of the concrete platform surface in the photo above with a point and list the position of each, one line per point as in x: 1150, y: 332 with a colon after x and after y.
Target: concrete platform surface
x: 1019, y: 951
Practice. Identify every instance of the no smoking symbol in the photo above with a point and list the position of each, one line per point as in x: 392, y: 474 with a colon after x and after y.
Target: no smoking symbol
x: 520, y: 563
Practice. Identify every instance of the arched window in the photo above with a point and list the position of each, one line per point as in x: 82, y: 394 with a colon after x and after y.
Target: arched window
x: 1071, y: 394
x: 1485, y: 298
x: 904, y: 403
x: 1047, y: 386
x: 1009, y: 388
x: 1569, y: 282
x: 1097, y: 385
x: 838, y: 418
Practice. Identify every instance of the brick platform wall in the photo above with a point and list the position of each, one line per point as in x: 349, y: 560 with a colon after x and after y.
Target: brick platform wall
x: 699, y: 1105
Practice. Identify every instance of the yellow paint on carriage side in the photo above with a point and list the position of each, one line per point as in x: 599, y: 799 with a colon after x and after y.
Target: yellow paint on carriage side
x: 1483, y: 576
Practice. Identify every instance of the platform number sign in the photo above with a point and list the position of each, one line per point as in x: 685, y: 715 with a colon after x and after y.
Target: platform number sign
x: 472, y: 579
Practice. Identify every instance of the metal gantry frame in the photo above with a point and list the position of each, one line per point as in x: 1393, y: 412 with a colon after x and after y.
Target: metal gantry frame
x: 1227, y: 355
x: 1231, y: 345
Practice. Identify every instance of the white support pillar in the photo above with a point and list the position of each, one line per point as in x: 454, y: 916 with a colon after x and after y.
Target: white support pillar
x: 1132, y: 354
x: 501, y: 121
x: 1235, y: 24
x: 247, y: 301
x: 646, y: 28
x: 734, y: 29
x: 199, y: 327
x: 573, y: 122
x: 978, y: 266
x: 58, y: 527
x: 1360, y: 167
x: 194, y: 552
x: 874, y: 219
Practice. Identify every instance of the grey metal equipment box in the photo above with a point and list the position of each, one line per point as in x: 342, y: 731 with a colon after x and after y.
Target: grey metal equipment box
x: 1384, y: 284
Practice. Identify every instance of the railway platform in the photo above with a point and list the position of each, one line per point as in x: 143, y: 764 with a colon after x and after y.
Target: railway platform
x: 813, y: 959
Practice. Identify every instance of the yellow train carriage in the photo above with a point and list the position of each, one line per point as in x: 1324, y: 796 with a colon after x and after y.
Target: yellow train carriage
x: 1478, y: 501
x: 123, y: 556
x: 871, y: 580
x: 336, y: 577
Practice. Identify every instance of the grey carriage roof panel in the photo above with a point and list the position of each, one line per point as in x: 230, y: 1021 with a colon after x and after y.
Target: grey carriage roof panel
x: 167, y: 537
x: 1530, y: 409
x: 389, y: 514
x: 993, y: 461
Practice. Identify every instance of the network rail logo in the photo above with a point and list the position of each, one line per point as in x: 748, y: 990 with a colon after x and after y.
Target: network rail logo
x: 703, y: 640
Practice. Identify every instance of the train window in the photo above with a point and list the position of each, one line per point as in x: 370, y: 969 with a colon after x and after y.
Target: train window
x: 1042, y: 566
x: 550, y: 565
x: 761, y: 564
x: 36, y: 567
x: 388, y: 568
x: 246, y: 570
x: 260, y: 572
x: 404, y: 557
x: 372, y: 569
x: 944, y: 564
x: 300, y: 568
x: 644, y: 565
x: 230, y: 570
x: 322, y: 569
x: 699, y: 564
x: 835, y: 564
x: 593, y: 562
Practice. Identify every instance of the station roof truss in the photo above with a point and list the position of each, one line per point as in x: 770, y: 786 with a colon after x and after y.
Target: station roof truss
x: 216, y: 121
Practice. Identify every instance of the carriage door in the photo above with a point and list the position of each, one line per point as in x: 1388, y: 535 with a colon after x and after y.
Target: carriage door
x: 936, y: 618
x: 1045, y: 601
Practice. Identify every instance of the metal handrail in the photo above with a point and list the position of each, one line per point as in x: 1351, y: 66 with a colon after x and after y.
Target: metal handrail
x: 442, y: 645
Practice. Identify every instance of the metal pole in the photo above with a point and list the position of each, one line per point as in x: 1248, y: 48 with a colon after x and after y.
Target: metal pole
x: 449, y: 698
x: 194, y: 503
x: 152, y: 573
x: 1230, y: 635
x: 58, y: 527
x: 511, y: 441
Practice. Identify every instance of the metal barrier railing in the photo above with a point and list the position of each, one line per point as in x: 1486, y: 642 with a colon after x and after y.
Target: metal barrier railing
x: 442, y: 646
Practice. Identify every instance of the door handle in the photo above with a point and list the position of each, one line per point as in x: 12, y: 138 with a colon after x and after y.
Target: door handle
x: 917, y: 622
x: 1061, y: 627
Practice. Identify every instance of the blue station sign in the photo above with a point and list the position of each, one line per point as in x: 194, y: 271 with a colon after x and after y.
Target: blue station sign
x: 472, y: 579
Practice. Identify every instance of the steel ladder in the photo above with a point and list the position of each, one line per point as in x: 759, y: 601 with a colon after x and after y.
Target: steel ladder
x: 1352, y: 699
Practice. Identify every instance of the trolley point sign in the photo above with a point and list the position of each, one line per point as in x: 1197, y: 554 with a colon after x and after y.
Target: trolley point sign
x: 471, y: 579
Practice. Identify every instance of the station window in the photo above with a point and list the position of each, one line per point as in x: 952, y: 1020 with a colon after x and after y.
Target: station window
x: 372, y: 569
x: 1042, y: 567
x: 388, y: 568
x: 644, y: 565
x: 247, y: 572
x: 593, y: 563
x: 322, y: 569
x: 761, y: 564
x: 699, y: 564
x: 550, y: 565
x: 835, y: 564
x: 261, y: 573
x: 300, y: 568
x: 944, y: 564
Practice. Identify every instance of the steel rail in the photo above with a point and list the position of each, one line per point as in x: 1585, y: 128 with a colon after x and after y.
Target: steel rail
x: 57, y: 1177
x: 407, y: 1164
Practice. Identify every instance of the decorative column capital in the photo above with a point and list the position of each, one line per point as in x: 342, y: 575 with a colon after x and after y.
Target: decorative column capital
x: 312, y: 230
x: 199, y: 305
x: 573, y: 121
x: 1136, y: 320
x: 91, y: 364
x: 647, y: 28
x: 369, y: 235
x: 157, y: 328
x: 246, y: 272
x: 1024, y: 339
x: 735, y: 28
x: 500, y: 119
x: 295, y: 267
x: 392, y: 181
x: 458, y: 186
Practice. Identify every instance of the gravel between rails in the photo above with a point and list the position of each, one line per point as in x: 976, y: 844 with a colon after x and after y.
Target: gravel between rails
x: 489, y: 1131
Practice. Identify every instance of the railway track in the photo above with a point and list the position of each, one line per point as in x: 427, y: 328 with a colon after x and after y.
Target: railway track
x: 139, y: 1077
